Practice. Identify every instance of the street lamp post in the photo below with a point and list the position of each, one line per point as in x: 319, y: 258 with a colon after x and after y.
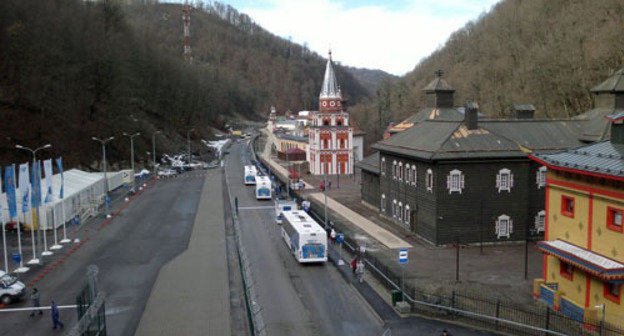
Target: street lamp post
x: 325, y: 190
x: 32, y: 231
x: 188, y: 144
x: 154, y: 147
x: 104, y: 142
x: 131, y: 136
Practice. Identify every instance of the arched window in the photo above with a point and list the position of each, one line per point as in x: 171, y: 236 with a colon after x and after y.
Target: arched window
x: 383, y: 166
x: 455, y: 181
x: 383, y: 203
x: 400, y: 174
x: 540, y: 179
x: 504, y: 180
x: 400, y: 211
x: 406, y: 216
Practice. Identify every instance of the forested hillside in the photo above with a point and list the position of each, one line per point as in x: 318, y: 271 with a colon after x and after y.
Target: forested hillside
x: 72, y: 69
x: 545, y: 52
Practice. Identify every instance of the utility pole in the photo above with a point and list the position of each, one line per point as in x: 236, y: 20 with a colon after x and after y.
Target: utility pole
x: 325, y: 190
x: 154, y: 148
x: 188, y: 144
x: 104, y: 142
x: 131, y: 136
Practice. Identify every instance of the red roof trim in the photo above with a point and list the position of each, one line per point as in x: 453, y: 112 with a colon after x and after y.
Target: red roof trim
x: 570, y: 170
x: 611, y: 119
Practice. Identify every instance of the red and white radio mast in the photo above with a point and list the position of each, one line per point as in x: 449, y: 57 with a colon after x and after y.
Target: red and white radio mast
x: 186, y: 18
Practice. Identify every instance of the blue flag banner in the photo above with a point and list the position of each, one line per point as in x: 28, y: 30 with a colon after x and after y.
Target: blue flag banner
x: 24, y: 186
x: 9, y: 186
x: 47, y: 169
x: 59, y: 164
x: 35, y: 183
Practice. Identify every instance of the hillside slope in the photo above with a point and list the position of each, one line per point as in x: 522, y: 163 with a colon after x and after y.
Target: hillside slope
x: 545, y: 52
x: 72, y: 69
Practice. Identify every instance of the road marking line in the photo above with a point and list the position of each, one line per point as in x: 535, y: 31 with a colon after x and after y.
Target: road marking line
x: 266, y: 207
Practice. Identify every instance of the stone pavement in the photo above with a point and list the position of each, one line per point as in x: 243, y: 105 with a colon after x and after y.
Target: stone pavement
x: 382, y: 235
x: 191, y: 293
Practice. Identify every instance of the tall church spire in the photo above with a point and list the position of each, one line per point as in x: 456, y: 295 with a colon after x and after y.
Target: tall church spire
x: 330, y: 88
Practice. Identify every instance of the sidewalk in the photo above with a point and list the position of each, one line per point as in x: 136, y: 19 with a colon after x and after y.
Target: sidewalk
x: 201, y: 299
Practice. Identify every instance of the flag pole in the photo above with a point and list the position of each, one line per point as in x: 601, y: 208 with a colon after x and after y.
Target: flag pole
x: 59, y: 163
x: 45, y: 252
x: 21, y: 269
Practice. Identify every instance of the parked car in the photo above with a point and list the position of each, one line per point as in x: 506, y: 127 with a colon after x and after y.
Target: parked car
x: 167, y: 172
x: 11, y: 290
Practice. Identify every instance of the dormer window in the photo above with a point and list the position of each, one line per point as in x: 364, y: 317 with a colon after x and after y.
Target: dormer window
x: 504, y: 180
x: 455, y: 181
x: 540, y: 178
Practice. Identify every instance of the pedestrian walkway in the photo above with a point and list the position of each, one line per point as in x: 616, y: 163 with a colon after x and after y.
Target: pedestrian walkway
x: 191, y: 293
x: 382, y: 235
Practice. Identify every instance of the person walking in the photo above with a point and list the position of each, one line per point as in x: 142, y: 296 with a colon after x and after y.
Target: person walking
x: 353, y: 265
x: 329, y: 185
x: 332, y: 236
x: 56, y: 321
x: 321, y: 186
x: 359, y: 269
x: 35, y: 299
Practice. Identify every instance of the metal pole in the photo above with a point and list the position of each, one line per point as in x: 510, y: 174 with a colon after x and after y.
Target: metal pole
x: 6, y: 258
x: 338, y: 176
x: 154, y: 150
x: 402, y: 283
x: 132, y: 158
x: 325, y: 191
x: 457, y: 261
x: 105, y: 178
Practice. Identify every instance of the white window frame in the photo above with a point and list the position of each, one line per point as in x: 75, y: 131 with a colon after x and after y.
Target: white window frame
x: 400, y: 171
x: 383, y: 203
x: 394, y: 169
x: 503, y: 227
x: 414, y: 175
x: 406, y: 216
x: 394, y: 208
x: 383, y: 166
x: 400, y: 212
x: 429, y: 180
x: 406, y: 173
x: 509, y: 180
x: 455, y: 181
x: 540, y: 178
x: 540, y: 221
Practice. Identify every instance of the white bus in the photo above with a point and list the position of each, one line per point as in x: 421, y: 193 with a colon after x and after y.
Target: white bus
x: 283, y: 205
x: 250, y: 175
x: 263, y: 187
x: 304, y: 237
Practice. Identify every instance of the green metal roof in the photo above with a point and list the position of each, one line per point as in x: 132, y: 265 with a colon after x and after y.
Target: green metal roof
x: 370, y: 163
x: 615, y: 83
x: 604, y: 158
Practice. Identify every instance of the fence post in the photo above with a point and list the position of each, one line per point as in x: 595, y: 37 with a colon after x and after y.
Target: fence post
x: 497, y: 311
x: 547, y: 319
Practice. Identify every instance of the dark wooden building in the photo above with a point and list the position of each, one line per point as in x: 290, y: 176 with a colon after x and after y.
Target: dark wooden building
x: 455, y: 176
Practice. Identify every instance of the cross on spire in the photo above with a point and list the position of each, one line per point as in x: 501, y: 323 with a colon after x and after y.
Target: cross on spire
x: 438, y: 72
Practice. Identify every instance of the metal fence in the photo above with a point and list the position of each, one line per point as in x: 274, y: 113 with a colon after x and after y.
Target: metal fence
x: 90, y: 308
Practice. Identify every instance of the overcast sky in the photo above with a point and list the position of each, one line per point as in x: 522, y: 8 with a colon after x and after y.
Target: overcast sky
x: 391, y: 35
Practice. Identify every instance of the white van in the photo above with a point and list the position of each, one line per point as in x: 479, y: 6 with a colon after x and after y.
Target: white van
x: 11, y: 290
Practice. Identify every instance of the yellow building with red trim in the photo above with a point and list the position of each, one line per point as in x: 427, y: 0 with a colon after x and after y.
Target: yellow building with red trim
x: 583, y: 263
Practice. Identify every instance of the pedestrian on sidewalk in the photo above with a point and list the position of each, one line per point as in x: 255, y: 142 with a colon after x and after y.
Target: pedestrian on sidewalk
x: 332, y: 236
x: 321, y: 186
x: 329, y: 185
x: 35, y: 299
x: 56, y: 321
x: 359, y: 269
x: 354, y: 265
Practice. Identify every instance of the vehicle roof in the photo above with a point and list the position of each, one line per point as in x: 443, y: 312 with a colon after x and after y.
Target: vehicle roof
x: 302, y: 222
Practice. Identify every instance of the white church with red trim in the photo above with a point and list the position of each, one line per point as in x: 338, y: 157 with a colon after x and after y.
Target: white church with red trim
x: 330, y: 135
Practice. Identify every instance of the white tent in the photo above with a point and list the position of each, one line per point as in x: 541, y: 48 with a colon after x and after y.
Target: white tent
x: 83, y: 194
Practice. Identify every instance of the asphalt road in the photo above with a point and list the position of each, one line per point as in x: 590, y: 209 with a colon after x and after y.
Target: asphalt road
x: 129, y: 251
x: 295, y: 299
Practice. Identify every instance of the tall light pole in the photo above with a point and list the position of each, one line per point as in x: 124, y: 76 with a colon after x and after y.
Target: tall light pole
x: 188, y: 144
x: 325, y: 190
x: 154, y: 148
x: 104, y: 142
x: 131, y: 136
x: 32, y: 231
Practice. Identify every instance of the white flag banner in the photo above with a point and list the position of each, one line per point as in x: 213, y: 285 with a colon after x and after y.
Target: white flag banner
x: 24, y: 186
x: 47, y: 168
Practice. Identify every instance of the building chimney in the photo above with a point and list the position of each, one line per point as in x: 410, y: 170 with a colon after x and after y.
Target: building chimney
x: 522, y: 111
x: 471, y: 115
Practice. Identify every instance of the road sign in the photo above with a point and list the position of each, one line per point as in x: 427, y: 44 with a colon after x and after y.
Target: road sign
x: 403, y: 256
